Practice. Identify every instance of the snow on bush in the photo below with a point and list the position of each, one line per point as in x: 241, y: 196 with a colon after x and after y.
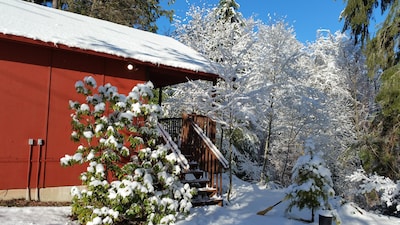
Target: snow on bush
x: 387, y: 189
x: 312, y: 182
x: 129, y: 177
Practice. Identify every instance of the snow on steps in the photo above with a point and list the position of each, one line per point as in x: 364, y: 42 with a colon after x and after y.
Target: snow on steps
x: 198, y: 178
x: 192, y: 174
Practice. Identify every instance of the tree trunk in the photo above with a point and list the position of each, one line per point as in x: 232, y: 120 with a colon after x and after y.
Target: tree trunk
x: 268, y: 141
x: 55, y: 4
x: 266, y: 150
x: 230, y: 162
x: 312, y: 215
x: 292, y: 138
x: 285, y: 165
x: 230, y: 172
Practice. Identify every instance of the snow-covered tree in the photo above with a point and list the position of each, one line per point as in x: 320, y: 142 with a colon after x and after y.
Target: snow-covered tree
x: 312, y: 183
x: 285, y: 105
x: 130, y: 177
x: 261, y: 70
x: 226, y: 11
x: 338, y: 71
x: 379, y: 187
x: 297, y: 91
x: 226, y: 38
x: 188, y: 97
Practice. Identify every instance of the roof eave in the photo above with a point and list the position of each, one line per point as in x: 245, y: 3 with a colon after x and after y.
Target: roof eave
x: 191, y: 74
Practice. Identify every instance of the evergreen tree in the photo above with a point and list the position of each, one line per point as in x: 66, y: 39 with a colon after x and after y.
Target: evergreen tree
x: 227, y: 11
x: 140, y: 14
x: 383, y: 56
x: 312, y: 183
x: 383, y: 50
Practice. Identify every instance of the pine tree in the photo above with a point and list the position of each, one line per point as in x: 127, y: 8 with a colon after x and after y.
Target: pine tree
x: 312, y: 183
x: 140, y: 14
x: 226, y: 11
x: 383, y: 57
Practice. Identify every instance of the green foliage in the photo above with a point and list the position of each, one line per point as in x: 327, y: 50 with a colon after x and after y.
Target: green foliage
x: 141, y: 14
x: 389, y: 94
x: 357, y: 16
x: 226, y: 11
x: 312, y: 183
x: 244, y: 141
x: 129, y: 177
x: 382, y: 50
x: 156, y: 96
x: 379, y: 149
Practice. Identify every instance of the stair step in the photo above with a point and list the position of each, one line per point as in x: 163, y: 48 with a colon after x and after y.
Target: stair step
x: 196, y: 173
x: 193, y: 163
x: 200, y: 181
x: 206, y: 189
x: 188, y: 156
x: 206, y: 192
x: 190, y: 147
x: 210, y: 201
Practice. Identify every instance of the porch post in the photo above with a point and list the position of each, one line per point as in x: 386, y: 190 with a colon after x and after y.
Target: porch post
x: 159, y: 96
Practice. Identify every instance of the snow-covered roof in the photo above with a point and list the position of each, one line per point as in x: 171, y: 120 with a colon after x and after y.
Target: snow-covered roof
x: 36, y: 22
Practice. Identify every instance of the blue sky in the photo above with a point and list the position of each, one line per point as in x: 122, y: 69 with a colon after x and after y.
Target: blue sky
x: 306, y: 16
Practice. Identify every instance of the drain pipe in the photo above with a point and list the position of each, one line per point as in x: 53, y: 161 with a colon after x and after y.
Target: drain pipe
x: 28, y: 184
x: 40, y: 143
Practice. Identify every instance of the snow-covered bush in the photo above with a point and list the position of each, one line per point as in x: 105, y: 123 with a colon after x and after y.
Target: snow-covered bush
x: 312, y: 182
x: 129, y: 177
x: 387, y: 191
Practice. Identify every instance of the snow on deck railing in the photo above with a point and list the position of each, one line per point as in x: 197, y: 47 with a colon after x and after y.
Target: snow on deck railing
x: 174, y: 147
x: 210, y: 145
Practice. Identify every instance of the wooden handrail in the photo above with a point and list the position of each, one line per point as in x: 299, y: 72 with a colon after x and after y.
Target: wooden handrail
x: 174, y: 147
x: 197, y: 143
x: 210, y: 145
x: 197, y: 137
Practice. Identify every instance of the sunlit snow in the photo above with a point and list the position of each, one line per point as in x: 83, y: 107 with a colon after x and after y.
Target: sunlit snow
x: 59, y: 27
x: 247, y: 200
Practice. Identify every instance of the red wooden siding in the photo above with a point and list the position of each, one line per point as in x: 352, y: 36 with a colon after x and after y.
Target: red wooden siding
x: 36, y: 84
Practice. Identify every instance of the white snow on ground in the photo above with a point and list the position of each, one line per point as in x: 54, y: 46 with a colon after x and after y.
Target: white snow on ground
x: 247, y: 200
x: 57, y: 27
x: 35, y: 216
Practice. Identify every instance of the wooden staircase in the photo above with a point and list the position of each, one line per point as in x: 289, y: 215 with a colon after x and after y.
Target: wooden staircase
x: 203, y: 163
x: 199, y: 179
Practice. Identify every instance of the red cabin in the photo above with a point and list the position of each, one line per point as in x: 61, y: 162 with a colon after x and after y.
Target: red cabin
x: 43, y: 52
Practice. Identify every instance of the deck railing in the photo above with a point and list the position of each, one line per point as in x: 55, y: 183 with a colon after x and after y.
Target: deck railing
x: 195, y: 135
x: 174, y: 127
x: 182, y: 161
x: 198, y: 135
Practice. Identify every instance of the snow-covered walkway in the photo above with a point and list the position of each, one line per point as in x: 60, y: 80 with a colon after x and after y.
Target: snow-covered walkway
x: 247, y: 200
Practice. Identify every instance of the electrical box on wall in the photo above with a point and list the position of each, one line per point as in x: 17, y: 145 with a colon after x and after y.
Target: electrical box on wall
x: 40, y: 141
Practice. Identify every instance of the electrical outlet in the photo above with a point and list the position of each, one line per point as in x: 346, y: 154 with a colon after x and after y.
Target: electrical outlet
x: 31, y: 142
x: 40, y: 141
